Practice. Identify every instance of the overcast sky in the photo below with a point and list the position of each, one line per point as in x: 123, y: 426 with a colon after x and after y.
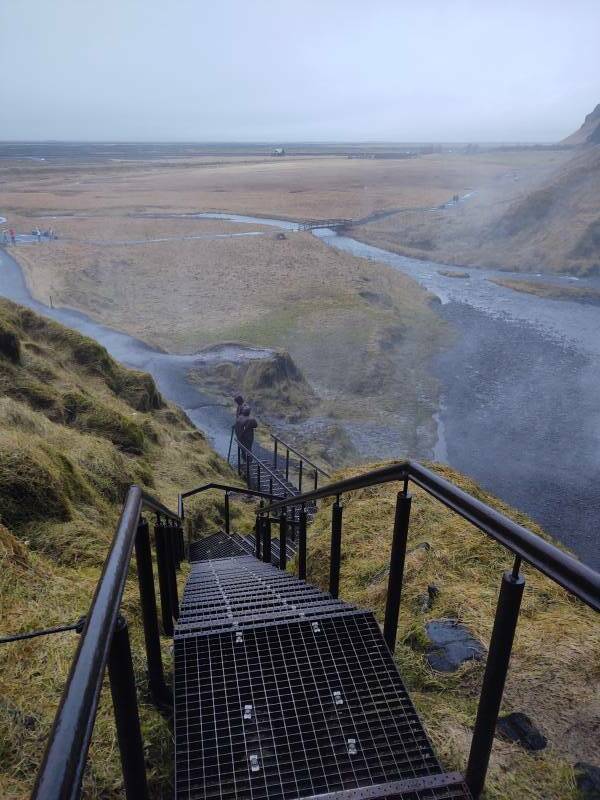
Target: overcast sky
x: 201, y: 70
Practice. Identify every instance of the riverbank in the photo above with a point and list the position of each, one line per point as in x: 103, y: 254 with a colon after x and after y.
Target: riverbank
x: 551, y: 290
x: 355, y: 330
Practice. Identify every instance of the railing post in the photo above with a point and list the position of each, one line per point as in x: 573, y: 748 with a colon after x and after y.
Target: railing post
x: 266, y: 547
x: 124, y: 697
x: 287, y: 463
x: 302, y: 544
x: 258, y: 475
x: 275, y: 452
x: 396, y: 575
x: 143, y: 557
x: 316, y: 479
x: 163, y: 579
x: 300, y: 477
x: 336, y: 548
x: 283, y: 539
x: 496, y: 668
x: 271, y: 486
x: 181, y: 543
x: 258, y: 533
x: 227, y: 518
x: 239, y: 459
x: 172, y: 574
x: 176, y: 550
x: 248, y: 482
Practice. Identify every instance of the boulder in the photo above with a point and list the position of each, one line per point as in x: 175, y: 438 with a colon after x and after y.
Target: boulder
x: 587, y: 778
x: 518, y: 727
x: 451, y: 644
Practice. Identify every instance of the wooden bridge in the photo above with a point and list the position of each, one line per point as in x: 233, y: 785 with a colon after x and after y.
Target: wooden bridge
x: 333, y: 224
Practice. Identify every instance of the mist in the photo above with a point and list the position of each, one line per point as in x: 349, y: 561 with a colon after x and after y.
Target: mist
x: 457, y: 71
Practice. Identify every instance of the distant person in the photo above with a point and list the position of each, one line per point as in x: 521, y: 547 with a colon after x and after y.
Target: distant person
x: 13, y: 236
x: 239, y: 404
x: 249, y: 425
x: 38, y: 234
x: 239, y: 428
x: 5, y: 237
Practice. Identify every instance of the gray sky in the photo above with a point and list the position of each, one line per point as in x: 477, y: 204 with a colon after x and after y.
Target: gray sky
x: 435, y: 70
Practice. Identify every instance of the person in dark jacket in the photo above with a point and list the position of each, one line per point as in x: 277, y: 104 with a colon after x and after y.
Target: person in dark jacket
x: 249, y: 424
x: 239, y: 403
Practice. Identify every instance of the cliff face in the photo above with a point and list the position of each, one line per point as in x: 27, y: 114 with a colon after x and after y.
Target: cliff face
x: 589, y: 133
x: 272, y: 385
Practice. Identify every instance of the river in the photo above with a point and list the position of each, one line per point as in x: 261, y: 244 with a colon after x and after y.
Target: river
x: 520, y: 384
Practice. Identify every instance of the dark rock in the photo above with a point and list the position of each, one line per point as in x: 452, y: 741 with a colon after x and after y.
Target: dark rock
x: 587, y: 778
x: 517, y: 727
x: 421, y: 546
x: 30, y: 722
x: 426, y: 600
x: 451, y: 644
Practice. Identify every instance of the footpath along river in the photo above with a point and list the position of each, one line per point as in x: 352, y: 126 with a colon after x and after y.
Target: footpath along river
x: 520, y: 386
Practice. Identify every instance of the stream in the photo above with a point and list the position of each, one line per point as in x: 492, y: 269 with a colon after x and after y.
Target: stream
x: 520, y: 383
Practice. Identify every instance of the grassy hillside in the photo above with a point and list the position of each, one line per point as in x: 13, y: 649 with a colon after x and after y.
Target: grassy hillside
x: 555, y: 670
x: 526, y: 219
x: 75, y: 430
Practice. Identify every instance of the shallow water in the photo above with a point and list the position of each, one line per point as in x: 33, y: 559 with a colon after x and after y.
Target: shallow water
x: 520, y: 403
x: 520, y: 386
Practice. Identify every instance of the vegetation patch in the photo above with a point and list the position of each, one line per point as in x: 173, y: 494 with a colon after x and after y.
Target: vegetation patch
x: 551, y: 291
x: 73, y: 437
x: 87, y: 414
x: 451, y: 273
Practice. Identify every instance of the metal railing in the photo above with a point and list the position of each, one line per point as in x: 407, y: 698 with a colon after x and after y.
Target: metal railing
x: 246, y: 458
x: 228, y: 490
x: 104, y: 642
x: 578, y: 579
x: 299, y: 465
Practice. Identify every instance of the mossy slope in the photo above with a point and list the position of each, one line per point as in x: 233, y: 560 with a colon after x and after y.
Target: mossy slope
x: 76, y: 429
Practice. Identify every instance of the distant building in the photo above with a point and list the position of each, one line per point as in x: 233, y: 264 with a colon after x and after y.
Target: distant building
x: 278, y: 151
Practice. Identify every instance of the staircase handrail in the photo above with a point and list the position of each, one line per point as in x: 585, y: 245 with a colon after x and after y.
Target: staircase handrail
x: 64, y: 760
x: 264, y: 466
x: 300, y: 455
x: 223, y: 487
x: 562, y: 568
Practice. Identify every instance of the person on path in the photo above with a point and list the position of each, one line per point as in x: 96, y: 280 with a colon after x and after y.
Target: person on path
x: 13, y: 235
x: 249, y: 425
x: 239, y: 428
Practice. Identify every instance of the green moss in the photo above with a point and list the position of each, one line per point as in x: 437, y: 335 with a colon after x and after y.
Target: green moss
x: 88, y: 414
x: 10, y: 346
x: 36, y: 481
x: 137, y: 389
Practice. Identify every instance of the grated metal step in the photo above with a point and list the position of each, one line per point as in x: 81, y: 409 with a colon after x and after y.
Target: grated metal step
x: 309, y: 708
x: 241, y: 592
x: 217, y: 545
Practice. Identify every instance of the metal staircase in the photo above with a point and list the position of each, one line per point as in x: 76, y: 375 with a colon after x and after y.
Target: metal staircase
x: 282, y: 691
